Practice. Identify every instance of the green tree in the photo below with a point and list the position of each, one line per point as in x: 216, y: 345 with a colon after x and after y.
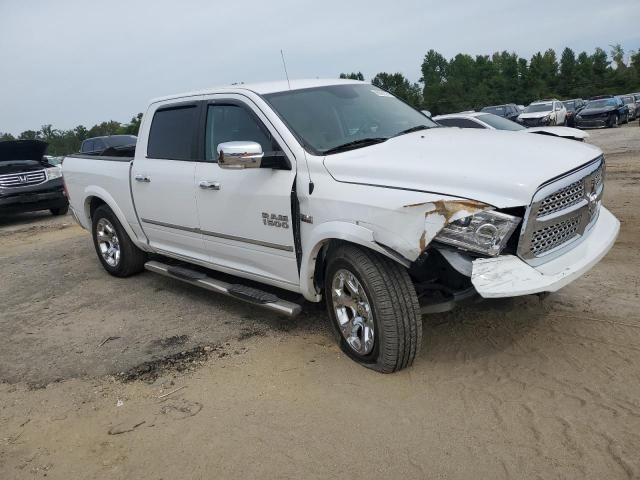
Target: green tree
x: 398, y: 85
x: 353, y: 76
x: 6, y: 136
x: 567, y: 76
x: 29, y: 135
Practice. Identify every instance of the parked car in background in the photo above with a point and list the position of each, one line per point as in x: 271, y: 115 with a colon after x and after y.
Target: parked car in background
x: 630, y: 102
x: 28, y: 182
x: 340, y: 192
x: 602, y: 112
x: 573, y: 106
x: 543, y: 113
x: 490, y: 121
x: 508, y: 110
x: 520, y: 108
x: 98, y: 145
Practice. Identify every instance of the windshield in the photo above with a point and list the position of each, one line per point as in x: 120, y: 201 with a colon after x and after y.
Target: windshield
x: 570, y: 105
x: 499, y: 123
x: 325, y: 118
x: 496, y: 110
x: 121, y: 140
x: 538, y: 107
x: 602, y: 103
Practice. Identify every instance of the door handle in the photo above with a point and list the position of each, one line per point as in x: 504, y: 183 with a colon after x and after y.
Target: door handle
x: 142, y: 178
x: 206, y: 185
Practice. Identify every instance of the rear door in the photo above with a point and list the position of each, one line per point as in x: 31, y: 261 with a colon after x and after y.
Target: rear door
x: 246, y: 219
x: 163, y: 184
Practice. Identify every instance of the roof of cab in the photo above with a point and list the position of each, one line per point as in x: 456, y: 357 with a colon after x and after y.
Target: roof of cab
x: 264, y: 88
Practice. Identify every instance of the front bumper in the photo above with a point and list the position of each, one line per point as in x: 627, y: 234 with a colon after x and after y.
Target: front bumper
x: 592, y: 123
x: 509, y: 276
x: 33, y: 200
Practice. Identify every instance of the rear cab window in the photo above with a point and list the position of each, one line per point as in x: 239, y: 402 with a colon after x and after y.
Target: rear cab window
x: 173, y: 132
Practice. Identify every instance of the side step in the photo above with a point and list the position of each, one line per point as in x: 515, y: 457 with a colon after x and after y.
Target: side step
x: 241, y: 292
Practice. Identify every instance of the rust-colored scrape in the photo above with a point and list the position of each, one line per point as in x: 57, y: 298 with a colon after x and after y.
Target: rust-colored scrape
x: 448, y: 208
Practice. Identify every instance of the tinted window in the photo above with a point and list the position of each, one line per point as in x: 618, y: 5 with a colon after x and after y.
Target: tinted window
x: 233, y: 123
x: 87, y: 145
x: 121, y: 140
x: 497, y: 110
x: 172, y: 133
x: 459, y: 122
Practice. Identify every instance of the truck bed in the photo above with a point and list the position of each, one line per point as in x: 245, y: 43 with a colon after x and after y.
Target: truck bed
x: 107, y: 177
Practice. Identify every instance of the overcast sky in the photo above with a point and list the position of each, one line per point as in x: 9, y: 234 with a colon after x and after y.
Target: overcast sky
x: 69, y: 62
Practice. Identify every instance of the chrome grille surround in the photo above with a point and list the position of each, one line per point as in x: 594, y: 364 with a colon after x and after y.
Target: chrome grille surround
x: 23, y: 179
x: 561, y: 212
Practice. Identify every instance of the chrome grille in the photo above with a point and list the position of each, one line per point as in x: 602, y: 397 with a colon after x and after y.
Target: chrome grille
x: 563, y: 198
x: 551, y: 236
x: 561, y: 212
x: 23, y: 179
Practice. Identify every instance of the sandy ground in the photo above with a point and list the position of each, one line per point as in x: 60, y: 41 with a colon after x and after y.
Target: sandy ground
x: 524, y: 388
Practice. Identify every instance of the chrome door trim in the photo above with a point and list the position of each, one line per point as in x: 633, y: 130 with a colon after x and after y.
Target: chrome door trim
x: 251, y: 241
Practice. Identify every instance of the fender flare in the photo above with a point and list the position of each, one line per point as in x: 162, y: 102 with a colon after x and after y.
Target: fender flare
x: 336, y: 230
x: 99, y: 192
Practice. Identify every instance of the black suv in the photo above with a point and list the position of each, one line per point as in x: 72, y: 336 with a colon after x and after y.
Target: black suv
x: 28, y: 182
x: 508, y: 110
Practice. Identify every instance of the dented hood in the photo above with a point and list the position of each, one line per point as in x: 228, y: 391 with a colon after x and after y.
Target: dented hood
x: 494, y: 167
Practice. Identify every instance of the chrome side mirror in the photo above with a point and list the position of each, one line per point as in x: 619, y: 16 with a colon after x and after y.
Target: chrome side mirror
x: 240, y: 155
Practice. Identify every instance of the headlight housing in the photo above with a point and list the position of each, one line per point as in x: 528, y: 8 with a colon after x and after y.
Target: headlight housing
x: 53, y: 173
x: 485, y: 232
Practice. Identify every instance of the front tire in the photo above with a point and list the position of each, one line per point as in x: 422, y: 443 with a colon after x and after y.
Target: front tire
x: 373, y: 308
x: 117, y: 253
x: 614, y: 120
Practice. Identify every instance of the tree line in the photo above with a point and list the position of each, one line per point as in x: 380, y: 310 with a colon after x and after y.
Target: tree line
x: 461, y: 83
x: 470, y: 83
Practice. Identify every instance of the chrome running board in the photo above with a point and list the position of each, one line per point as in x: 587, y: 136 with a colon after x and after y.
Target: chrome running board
x: 241, y: 292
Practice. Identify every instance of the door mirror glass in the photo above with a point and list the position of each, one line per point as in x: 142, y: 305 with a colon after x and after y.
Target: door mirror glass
x: 240, y: 154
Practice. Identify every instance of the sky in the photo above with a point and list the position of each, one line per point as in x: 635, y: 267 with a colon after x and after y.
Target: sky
x: 68, y: 62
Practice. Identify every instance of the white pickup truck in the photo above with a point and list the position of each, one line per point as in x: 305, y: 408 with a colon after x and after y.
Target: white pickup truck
x: 337, y: 190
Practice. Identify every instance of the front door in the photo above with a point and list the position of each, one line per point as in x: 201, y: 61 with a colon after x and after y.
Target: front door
x: 245, y: 214
x: 163, y: 181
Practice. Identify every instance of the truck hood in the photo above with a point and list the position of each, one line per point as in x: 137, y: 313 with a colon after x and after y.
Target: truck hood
x: 490, y: 166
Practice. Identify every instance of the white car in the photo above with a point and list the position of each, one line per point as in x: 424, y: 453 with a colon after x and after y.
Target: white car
x: 340, y: 192
x: 544, y: 113
x: 490, y: 121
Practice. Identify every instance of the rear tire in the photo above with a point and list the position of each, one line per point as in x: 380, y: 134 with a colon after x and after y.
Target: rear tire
x: 59, y: 211
x: 115, y: 250
x: 373, y: 308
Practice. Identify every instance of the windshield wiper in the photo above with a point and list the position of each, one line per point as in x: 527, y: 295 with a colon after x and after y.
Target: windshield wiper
x: 363, y: 142
x: 412, y: 129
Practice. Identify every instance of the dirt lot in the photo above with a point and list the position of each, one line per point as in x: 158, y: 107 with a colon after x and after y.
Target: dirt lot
x: 147, y: 378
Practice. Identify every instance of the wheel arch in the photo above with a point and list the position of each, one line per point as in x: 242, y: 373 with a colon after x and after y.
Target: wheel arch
x: 328, y: 236
x: 96, y: 197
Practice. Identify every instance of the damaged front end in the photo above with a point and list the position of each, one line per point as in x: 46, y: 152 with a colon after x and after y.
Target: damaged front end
x: 457, y: 232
